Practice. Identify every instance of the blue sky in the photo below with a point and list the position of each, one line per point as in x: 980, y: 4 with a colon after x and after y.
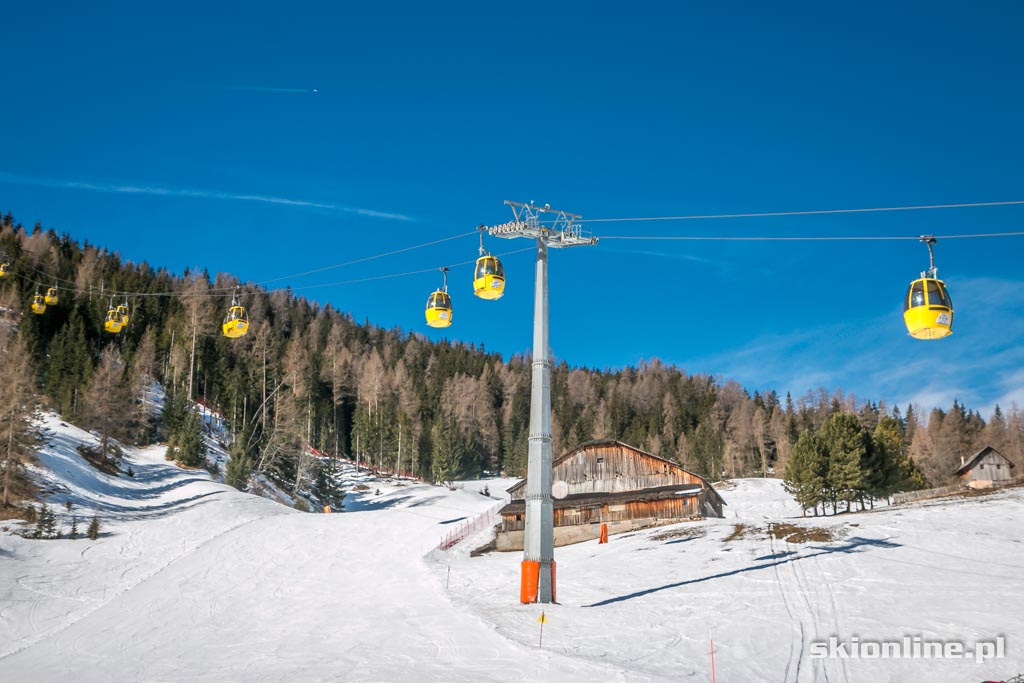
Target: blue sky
x: 188, y: 136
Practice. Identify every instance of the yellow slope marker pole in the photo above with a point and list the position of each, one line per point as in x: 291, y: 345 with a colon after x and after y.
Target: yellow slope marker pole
x: 542, y: 620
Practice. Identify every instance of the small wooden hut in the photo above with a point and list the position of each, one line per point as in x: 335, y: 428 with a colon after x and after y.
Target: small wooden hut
x: 985, y: 468
x: 616, y: 484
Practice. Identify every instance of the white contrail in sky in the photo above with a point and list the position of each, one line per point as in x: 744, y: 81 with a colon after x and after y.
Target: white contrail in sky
x: 261, y: 88
x: 161, y: 191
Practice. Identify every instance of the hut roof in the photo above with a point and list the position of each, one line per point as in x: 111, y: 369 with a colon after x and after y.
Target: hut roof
x: 978, y: 456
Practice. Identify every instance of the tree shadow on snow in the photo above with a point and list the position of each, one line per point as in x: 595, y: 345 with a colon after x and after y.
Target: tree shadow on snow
x: 426, y: 501
x: 128, y: 494
x: 853, y: 545
x: 135, y: 512
x: 776, y: 556
x: 149, y: 473
x: 62, y: 458
x: 378, y: 504
x: 683, y: 540
x: 373, y: 505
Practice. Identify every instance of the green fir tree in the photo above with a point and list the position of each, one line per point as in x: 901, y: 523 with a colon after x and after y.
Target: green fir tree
x: 805, y: 472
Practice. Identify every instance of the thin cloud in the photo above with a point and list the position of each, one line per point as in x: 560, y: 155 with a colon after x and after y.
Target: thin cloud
x: 164, y: 191
x: 936, y: 397
x: 261, y: 88
x: 1013, y: 392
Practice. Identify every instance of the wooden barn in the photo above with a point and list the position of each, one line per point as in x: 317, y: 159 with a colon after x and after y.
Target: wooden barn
x: 985, y: 468
x: 614, y: 483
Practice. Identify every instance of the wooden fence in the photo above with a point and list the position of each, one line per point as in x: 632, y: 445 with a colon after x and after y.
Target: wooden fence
x: 909, y: 496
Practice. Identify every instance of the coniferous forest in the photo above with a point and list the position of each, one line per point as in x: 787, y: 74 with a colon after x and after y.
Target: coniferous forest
x: 307, y: 375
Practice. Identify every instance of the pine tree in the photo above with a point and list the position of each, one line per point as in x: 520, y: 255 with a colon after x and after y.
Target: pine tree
x: 176, y: 411
x: 447, y: 454
x: 886, y: 456
x: 953, y: 437
x: 186, y: 444
x: 805, y: 472
x: 46, y: 523
x: 847, y: 448
x: 1015, y: 436
x: 239, y: 467
x: 326, y: 483
x: 143, y: 375
x: 69, y: 367
x: 17, y: 410
x: 921, y: 453
x: 707, y: 447
x: 996, y: 433
x: 93, y: 532
x: 198, y: 319
x: 107, y: 404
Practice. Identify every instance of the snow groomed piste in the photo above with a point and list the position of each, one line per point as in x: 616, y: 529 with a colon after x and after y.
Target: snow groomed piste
x: 192, y: 580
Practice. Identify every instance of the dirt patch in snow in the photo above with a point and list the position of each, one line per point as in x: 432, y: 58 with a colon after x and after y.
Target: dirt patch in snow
x: 791, y: 533
x: 742, y: 531
x: 674, y: 534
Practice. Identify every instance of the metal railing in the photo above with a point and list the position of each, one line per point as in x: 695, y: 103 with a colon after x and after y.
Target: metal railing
x: 484, y: 520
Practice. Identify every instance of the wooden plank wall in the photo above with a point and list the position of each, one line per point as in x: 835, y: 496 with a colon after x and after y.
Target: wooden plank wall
x: 672, y: 508
x: 989, y: 471
x: 612, y: 468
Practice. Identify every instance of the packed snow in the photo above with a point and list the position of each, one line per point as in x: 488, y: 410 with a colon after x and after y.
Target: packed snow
x: 193, y: 580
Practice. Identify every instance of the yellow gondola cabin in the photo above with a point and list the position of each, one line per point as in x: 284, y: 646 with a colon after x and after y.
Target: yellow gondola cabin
x: 439, y: 309
x: 927, y: 308
x: 236, y: 322
x: 122, y: 313
x: 113, y: 323
x: 51, y: 297
x: 38, y: 304
x: 439, y: 305
x: 489, y: 278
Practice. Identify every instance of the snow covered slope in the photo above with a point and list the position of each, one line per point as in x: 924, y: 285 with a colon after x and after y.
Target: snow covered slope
x: 192, y: 580
x: 652, y: 601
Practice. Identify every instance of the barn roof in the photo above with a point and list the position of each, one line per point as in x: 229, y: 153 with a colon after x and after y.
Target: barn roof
x: 614, y: 442
x: 602, y: 497
x: 977, y: 457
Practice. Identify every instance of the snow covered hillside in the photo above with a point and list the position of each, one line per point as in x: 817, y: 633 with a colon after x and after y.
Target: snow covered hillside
x: 192, y: 580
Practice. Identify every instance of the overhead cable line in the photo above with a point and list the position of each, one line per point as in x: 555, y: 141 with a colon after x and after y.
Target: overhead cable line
x: 411, y: 272
x: 810, y: 238
x: 920, y: 207
x: 215, y: 291
x: 367, y: 258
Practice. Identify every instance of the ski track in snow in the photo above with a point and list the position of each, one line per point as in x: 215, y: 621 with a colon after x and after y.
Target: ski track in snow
x: 795, y: 656
x: 192, y: 580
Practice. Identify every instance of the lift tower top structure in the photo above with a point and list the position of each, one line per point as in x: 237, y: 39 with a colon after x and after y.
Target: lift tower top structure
x: 537, y: 580
x: 563, y: 231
